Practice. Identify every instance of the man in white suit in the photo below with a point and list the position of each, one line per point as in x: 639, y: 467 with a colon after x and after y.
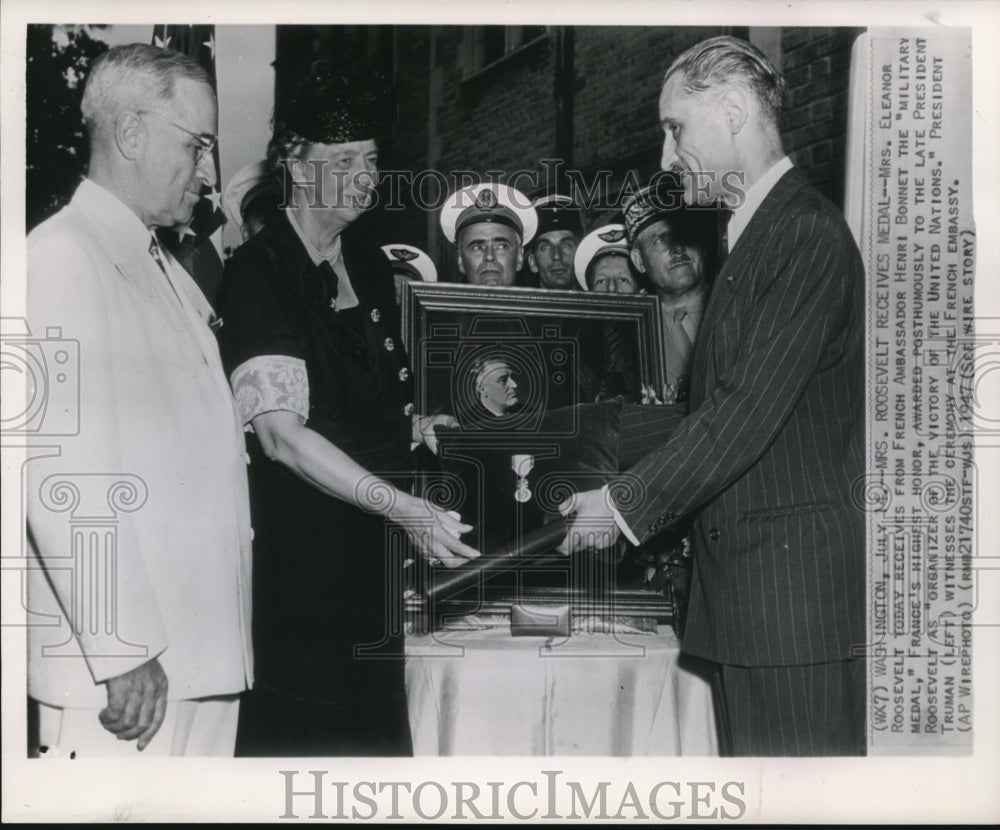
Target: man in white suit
x: 139, y: 597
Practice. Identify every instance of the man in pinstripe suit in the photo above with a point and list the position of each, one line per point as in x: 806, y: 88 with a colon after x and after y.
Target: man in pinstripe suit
x: 772, y: 439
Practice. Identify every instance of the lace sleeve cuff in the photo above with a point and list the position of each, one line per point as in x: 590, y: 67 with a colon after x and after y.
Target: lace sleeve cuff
x: 270, y: 382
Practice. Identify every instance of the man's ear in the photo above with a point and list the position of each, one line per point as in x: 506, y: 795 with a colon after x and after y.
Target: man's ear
x: 636, y: 258
x: 532, y: 263
x: 520, y: 257
x: 461, y: 265
x: 736, y: 108
x: 130, y: 134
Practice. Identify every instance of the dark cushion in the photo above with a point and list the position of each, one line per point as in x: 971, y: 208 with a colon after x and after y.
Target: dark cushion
x: 574, y: 449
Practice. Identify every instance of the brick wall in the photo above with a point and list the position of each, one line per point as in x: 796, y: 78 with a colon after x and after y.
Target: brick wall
x: 816, y: 64
x: 503, y: 117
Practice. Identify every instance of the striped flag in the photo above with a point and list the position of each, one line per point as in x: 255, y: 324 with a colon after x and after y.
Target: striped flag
x: 191, y: 244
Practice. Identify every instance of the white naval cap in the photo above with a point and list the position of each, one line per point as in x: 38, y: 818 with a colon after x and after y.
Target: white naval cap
x: 246, y: 183
x: 606, y: 239
x: 410, y: 260
x: 489, y: 202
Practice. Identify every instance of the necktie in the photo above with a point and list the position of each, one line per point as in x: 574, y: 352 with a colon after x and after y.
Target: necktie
x: 214, y: 321
x: 330, y: 281
x: 682, y: 340
x: 157, y: 255
x: 154, y: 252
x: 723, y: 234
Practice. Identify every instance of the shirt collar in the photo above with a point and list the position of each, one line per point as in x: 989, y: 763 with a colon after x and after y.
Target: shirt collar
x: 314, y: 254
x: 755, y: 195
x: 107, y: 210
x: 692, y: 307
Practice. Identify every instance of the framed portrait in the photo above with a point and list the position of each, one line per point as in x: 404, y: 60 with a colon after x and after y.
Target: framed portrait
x: 537, y: 381
x: 557, y: 348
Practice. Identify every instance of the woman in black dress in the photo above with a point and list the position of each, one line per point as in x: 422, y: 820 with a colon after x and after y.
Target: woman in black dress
x: 311, y: 342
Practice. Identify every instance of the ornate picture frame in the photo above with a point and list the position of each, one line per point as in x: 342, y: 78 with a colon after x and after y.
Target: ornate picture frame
x: 447, y: 326
x: 568, y: 362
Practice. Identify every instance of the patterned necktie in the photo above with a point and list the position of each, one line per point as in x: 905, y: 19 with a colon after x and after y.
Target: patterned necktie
x: 157, y: 255
x: 214, y: 321
x: 154, y: 252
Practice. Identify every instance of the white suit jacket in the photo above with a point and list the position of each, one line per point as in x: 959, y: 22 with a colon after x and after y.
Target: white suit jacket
x: 138, y: 524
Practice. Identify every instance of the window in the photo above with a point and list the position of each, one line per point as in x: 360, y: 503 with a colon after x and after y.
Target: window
x: 484, y: 46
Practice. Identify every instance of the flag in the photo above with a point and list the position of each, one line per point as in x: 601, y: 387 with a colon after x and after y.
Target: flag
x: 191, y: 244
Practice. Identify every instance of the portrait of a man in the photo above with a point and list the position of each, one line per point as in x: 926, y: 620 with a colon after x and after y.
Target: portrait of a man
x: 494, y: 385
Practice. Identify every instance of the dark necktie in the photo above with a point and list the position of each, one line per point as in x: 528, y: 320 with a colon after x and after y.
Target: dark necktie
x: 331, y: 282
x: 723, y: 236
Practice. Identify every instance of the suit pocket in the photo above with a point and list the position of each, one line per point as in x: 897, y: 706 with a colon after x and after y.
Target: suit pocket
x: 726, y: 346
x: 786, y: 510
x: 790, y: 571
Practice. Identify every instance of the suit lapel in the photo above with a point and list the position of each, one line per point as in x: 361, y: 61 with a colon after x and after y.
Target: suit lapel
x: 197, y: 312
x: 733, y: 271
x: 126, y: 243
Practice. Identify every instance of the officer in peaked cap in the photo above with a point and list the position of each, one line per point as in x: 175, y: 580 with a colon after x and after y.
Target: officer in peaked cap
x: 602, y: 262
x: 670, y: 244
x: 409, y: 263
x: 560, y: 227
x: 252, y: 198
x: 489, y: 224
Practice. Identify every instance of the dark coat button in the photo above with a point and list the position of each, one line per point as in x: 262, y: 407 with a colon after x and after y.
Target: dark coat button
x: 713, y: 534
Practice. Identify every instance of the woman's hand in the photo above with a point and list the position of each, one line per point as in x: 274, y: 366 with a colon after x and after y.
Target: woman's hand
x: 326, y: 467
x: 423, y: 429
x: 434, y: 531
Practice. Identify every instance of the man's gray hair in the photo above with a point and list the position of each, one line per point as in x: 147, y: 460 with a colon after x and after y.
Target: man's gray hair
x: 130, y: 77
x: 723, y: 60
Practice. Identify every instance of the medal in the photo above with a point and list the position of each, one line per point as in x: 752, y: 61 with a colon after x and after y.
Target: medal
x: 522, y: 465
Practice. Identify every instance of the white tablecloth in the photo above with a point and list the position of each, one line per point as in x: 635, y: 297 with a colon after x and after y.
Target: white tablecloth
x: 487, y: 693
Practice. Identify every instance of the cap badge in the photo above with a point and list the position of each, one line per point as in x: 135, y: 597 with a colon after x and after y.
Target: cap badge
x: 486, y: 199
x: 613, y: 235
x: 403, y: 254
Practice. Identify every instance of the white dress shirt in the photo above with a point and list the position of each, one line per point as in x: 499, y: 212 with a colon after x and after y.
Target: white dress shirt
x: 755, y: 195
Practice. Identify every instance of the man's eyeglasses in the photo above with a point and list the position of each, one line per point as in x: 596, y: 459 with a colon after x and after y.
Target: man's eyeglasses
x: 206, y: 141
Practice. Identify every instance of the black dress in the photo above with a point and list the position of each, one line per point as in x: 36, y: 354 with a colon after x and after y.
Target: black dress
x: 327, y: 628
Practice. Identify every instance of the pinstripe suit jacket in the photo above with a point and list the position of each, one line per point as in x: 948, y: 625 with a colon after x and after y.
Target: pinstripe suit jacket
x: 772, y: 444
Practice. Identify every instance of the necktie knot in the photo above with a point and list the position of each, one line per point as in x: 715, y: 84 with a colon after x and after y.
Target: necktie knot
x: 154, y: 252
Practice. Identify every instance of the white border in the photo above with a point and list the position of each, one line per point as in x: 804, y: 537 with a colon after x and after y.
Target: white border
x: 810, y: 790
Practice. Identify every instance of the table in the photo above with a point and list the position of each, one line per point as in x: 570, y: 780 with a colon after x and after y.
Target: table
x: 488, y: 693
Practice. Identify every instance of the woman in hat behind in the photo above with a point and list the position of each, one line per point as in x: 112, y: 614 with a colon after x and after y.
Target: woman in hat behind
x: 321, y: 379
